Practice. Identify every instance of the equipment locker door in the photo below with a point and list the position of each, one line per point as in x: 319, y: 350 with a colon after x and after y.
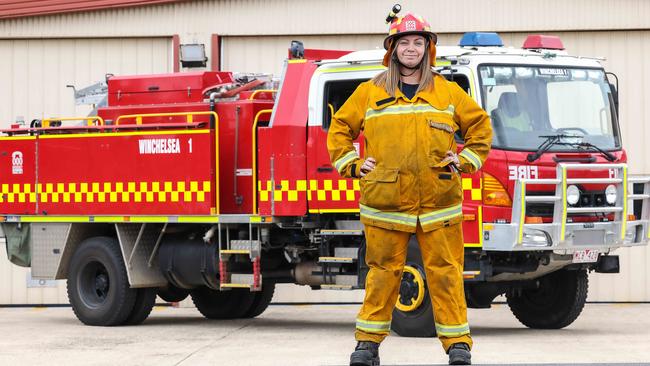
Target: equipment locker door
x: 18, y: 188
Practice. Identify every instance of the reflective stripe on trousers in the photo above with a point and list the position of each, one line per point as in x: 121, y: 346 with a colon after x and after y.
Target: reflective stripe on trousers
x: 411, y: 221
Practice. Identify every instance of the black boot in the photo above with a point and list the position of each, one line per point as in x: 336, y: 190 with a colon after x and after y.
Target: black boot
x: 365, y: 354
x: 459, y: 354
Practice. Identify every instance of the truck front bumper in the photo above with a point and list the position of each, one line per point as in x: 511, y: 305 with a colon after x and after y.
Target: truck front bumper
x: 564, y: 236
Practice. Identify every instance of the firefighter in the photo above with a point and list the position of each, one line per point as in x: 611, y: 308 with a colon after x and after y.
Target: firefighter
x: 410, y: 183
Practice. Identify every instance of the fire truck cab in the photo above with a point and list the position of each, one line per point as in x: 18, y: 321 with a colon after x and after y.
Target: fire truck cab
x: 206, y: 185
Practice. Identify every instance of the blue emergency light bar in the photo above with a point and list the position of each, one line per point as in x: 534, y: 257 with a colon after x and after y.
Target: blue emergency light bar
x: 480, y: 39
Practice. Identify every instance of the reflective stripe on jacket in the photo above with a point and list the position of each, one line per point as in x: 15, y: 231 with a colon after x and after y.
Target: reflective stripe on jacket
x: 409, y: 140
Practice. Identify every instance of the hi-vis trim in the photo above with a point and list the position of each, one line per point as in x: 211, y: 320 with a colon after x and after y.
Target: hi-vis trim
x: 345, y: 160
x: 452, y: 330
x: 371, y: 326
x: 350, y: 69
x: 441, y: 215
x: 316, y: 190
x: 393, y: 217
x: 407, y: 109
x: 624, y: 218
x: 472, y: 157
x: 112, y: 219
x: 100, y: 192
x: 336, y: 190
x: 133, y: 133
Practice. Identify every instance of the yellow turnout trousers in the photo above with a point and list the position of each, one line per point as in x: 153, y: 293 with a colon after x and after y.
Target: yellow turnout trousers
x: 442, y: 256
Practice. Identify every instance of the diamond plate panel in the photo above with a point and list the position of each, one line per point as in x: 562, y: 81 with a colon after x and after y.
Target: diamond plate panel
x: 139, y: 272
x: 254, y: 246
x: 47, y: 244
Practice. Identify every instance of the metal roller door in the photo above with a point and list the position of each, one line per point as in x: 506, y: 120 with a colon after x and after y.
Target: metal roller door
x: 33, y: 78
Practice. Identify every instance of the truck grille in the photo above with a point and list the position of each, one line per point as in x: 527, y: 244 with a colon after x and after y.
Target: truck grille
x: 587, y: 199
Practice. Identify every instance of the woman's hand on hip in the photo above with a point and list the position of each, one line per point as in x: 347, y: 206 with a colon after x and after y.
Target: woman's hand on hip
x: 452, y: 158
x: 367, y: 166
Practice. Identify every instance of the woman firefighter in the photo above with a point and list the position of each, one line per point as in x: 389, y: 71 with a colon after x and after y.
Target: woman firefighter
x: 410, y: 182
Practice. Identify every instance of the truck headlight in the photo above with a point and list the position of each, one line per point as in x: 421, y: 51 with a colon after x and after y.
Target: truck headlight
x: 572, y: 195
x: 610, y: 194
x: 534, y: 237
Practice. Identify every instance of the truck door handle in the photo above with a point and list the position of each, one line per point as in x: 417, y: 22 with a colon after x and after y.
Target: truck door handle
x: 324, y: 169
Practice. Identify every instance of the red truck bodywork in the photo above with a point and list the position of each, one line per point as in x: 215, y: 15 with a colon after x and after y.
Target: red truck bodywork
x: 107, y: 169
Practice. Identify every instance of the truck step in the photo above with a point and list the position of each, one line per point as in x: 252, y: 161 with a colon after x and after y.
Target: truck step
x: 235, y: 251
x: 334, y: 232
x: 341, y: 255
x: 337, y: 287
x: 243, y: 280
x: 336, y: 260
x: 235, y: 285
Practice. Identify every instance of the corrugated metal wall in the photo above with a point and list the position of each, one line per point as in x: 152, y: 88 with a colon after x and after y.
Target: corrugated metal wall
x: 256, y: 34
x: 33, y: 79
x: 34, y: 73
x: 286, y: 17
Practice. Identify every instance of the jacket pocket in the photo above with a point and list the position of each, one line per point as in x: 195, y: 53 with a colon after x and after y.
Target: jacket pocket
x: 380, y: 189
x: 441, y: 140
x: 448, y: 188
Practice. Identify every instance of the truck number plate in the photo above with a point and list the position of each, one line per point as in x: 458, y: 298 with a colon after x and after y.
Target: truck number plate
x: 585, y: 256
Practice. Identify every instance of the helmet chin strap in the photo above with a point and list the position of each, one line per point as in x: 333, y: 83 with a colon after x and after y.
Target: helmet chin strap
x: 414, y: 68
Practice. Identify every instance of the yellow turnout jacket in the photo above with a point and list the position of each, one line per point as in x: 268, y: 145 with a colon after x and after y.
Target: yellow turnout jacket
x: 409, y: 139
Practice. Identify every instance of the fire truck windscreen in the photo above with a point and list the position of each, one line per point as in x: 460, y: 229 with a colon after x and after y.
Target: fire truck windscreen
x: 526, y: 103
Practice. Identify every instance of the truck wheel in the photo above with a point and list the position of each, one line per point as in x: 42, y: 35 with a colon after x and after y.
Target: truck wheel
x: 145, y: 299
x: 555, y: 304
x: 98, y: 286
x: 261, y: 301
x: 413, y: 313
x: 230, y: 304
x: 171, y: 293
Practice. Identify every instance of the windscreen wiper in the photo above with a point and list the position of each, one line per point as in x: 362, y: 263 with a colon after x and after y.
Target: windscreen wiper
x: 609, y: 156
x: 549, y: 141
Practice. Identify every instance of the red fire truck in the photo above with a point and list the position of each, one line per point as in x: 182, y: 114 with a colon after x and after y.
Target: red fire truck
x: 204, y: 185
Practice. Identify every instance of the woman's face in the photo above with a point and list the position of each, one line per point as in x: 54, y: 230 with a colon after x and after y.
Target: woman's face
x: 411, y: 49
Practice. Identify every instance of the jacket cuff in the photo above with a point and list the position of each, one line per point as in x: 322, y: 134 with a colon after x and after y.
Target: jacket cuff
x: 465, y: 166
x: 342, y: 165
x: 355, y: 168
x: 469, y: 161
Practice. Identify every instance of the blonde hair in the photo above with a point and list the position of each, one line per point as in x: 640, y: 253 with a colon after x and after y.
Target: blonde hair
x: 390, y: 79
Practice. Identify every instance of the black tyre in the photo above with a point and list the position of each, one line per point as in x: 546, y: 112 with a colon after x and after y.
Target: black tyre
x: 145, y: 299
x: 413, y: 313
x: 98, y: 286
x: 214, y: 304
x: 261, y: 300
x: 171, y: 293
x: 555, y: 303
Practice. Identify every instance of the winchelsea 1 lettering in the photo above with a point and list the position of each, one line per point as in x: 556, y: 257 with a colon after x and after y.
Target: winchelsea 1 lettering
x: 159, y: 146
